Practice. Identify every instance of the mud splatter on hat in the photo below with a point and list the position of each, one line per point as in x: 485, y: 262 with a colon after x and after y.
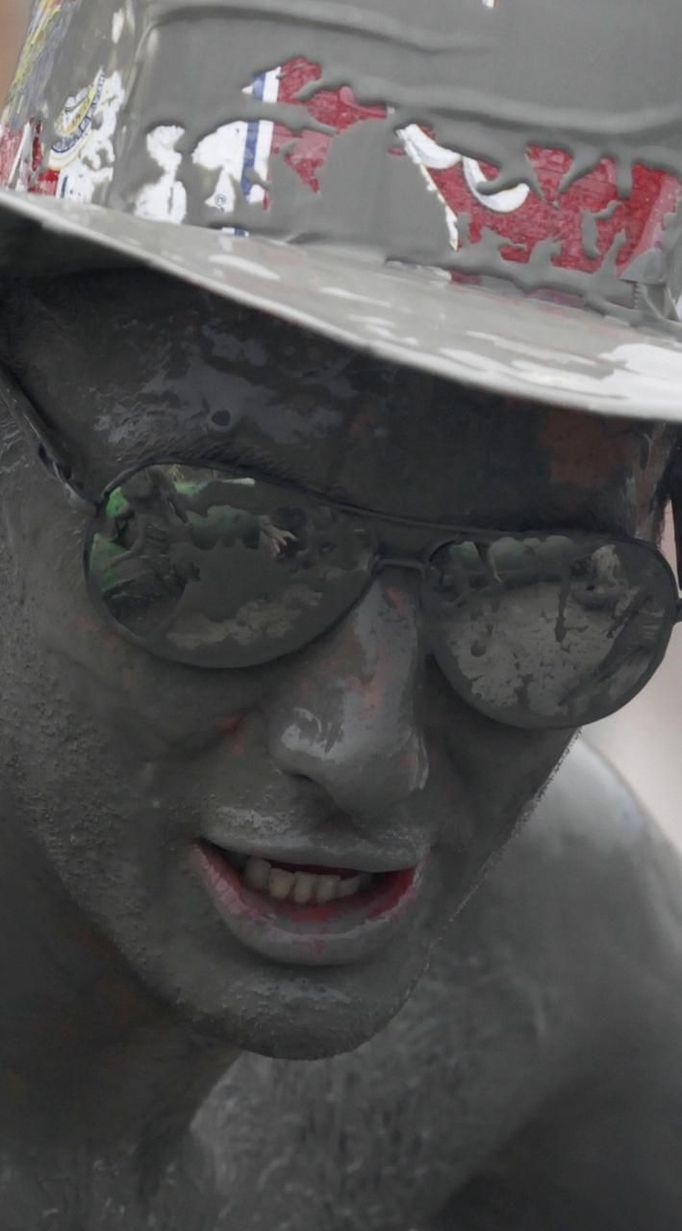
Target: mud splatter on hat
x: 487, y: 189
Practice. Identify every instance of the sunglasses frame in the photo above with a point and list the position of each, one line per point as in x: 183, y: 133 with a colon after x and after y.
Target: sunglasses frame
x: 54, y: 457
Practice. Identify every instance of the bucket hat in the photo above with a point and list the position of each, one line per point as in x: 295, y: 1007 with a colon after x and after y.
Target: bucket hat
x: 490, y: 190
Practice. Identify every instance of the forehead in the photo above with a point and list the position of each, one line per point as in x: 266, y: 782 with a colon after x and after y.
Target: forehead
x: 132, y: 364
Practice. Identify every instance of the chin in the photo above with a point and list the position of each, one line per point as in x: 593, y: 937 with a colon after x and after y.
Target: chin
x: 292, y: 1013
x: 228, y: 992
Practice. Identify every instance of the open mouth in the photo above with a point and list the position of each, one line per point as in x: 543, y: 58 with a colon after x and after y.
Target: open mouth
x: 305, y: 912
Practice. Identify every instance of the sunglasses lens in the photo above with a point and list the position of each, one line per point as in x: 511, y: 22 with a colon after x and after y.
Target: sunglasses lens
x: 542, y: 631
x: 221, y: 570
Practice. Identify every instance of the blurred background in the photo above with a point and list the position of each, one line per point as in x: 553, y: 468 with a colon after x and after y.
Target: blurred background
x: 641, y: 740
x: 13, y: 20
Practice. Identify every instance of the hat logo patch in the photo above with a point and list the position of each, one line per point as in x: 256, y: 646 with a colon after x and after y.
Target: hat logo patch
x: 75, y: 122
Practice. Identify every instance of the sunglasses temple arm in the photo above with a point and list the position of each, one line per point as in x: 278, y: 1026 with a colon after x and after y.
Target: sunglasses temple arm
x: 17, y: 403
x: 674, y: 486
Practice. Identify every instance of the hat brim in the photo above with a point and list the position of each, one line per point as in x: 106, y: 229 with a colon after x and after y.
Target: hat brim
x: 505, y: 343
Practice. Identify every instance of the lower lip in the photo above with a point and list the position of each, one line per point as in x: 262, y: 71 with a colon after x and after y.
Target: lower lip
x: 344, y: 931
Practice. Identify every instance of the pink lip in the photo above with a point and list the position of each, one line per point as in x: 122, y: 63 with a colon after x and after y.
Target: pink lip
x: 342, y: 931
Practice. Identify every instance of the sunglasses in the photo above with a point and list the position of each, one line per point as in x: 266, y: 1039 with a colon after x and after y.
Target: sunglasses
x: 221, y: 567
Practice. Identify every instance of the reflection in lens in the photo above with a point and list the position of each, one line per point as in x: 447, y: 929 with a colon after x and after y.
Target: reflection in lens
x: 548, y: 630
x: 222, y: 570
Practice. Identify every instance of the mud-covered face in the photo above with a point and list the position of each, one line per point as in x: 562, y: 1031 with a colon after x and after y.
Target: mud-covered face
x: 273, y: 848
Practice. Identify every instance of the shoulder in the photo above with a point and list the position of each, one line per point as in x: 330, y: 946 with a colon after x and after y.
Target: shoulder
x: 589, y: 835
x: 591, y: 832
x: 591, y: 879
x: 587, y: 799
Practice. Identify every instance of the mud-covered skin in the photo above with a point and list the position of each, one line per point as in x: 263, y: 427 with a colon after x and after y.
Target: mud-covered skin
x: 532, y: 1081
x: 125, y: 997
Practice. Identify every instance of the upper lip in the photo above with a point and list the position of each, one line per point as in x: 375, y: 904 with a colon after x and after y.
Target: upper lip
x: 358, y: 856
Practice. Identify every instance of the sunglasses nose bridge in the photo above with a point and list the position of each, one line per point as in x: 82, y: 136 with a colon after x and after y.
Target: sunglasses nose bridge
x: 403, y: 563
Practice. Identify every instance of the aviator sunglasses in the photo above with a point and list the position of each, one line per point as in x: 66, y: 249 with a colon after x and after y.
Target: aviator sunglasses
x: 218, y: 566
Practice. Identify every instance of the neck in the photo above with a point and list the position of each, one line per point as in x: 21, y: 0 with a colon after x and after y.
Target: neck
x: 95, y: 1073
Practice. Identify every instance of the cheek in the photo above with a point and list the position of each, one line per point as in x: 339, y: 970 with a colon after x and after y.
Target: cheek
x: 510, y: 768
x: 502, y: 768
x: 153, y: 709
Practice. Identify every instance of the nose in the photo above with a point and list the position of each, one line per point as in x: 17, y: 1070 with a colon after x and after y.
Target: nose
x: 345, y: 717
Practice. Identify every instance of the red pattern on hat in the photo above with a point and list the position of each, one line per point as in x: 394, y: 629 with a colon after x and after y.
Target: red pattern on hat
x: 634, y: 223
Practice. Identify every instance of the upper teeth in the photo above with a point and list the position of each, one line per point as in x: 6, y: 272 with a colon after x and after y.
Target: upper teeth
x: 300, y: 887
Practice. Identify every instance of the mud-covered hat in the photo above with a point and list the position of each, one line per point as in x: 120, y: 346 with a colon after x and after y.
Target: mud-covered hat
x: 487, y: 189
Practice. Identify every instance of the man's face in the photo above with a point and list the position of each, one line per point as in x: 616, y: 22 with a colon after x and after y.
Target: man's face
x: 354, y: 751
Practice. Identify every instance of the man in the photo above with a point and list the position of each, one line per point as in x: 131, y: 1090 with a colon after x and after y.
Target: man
x: 315, y: 562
